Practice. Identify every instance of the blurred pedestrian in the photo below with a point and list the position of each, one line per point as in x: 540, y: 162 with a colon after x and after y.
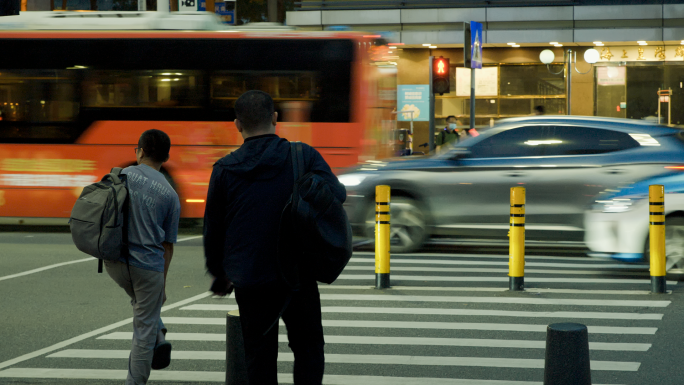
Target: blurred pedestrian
x: 539, y: 110
x: 153, y: 215
x: 448, y: 134
x: 248, y: 191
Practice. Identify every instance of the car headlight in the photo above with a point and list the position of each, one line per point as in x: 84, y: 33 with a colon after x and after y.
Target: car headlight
x: 616, y: 205
x: 354, y: 179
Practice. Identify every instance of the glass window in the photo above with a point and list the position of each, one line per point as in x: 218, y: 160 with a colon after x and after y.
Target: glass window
x: 521, y: 141
x: 537, y: 80
x: 295, y: 93
x: 552, y: 106
x: 564, y: 140
x: 167, y: 88
x: 37, y: 105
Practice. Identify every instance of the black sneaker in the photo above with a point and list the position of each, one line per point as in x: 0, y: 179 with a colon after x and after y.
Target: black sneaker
x: 162, y: 356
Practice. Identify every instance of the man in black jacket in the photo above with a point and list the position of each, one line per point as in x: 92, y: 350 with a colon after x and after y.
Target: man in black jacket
x: 247, y: 193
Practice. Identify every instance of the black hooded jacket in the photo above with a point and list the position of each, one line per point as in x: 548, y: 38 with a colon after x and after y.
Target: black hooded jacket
x: 247, y: 193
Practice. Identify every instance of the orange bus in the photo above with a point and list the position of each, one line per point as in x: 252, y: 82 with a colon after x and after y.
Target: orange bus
x: 73, y: 104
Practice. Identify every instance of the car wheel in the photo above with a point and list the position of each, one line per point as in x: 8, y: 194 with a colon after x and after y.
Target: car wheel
x: 408, y: 229
x: 674, y: 243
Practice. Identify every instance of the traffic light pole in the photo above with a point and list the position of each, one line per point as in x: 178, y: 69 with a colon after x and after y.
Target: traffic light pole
x: 431, y: 133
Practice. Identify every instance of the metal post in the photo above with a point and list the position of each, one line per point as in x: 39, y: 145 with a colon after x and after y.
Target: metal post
x: 516, y: 249
x: 142, y: 5
x: 382, y: 237
x: 568, y: 71
x: 669, y: 107
x: 656, y: 196
x: 236, y: 366
x: 472, y: 98
x: 431, y: 131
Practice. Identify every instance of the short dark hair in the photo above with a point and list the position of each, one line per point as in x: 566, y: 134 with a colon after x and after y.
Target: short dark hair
x: 539, y: 109
x: 156, y: 145
x: 254, y: 109
x: 450, y: 117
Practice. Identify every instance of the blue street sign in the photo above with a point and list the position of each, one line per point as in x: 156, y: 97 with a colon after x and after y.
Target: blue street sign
x: 476, y: 44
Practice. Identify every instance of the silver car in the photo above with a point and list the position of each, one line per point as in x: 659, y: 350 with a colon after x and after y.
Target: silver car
x: 562, y: 161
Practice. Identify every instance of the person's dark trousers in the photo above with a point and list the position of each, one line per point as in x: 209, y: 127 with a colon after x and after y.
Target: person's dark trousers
x: 259, y: 309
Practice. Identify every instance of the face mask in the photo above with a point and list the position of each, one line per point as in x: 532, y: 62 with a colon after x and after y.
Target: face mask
x: 452, y: 126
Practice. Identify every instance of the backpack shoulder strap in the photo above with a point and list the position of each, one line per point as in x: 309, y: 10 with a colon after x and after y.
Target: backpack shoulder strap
x: 293, y: 156
x: 115, y: 175
x: 300, y: 158
x: 297, y: 159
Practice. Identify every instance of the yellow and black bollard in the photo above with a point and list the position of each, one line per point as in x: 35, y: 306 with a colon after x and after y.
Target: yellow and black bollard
x: 516, y: 249
x: 656, y: 195
x: 382, y: 237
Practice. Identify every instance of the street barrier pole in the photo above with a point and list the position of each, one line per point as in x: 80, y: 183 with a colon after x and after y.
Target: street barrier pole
x: 236, y: 366
x: 567, y: 355
x: 656, y: 196
x: 516, y: 248
x: 382, y: 237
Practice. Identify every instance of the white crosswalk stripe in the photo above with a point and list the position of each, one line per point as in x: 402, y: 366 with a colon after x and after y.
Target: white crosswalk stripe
x: 451, y: 312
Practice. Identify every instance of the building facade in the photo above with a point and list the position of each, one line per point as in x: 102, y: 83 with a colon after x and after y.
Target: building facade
x: 640, y: 44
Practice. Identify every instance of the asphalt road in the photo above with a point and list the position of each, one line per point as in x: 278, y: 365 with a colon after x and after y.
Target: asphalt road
x: 448, y: 318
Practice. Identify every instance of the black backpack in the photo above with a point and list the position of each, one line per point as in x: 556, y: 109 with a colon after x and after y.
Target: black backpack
x: 315, y: 237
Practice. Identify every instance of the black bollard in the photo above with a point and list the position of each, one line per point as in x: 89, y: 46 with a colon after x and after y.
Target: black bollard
x: 236, y: 368
x: 567, y: 355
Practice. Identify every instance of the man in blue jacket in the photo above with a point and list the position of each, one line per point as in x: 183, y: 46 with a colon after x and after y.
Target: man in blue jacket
x: 248, y: 191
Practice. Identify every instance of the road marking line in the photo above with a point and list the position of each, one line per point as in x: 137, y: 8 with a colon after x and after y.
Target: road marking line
x: 404, y: 325
x: 456, y: 312
x: 38, y: 270
x: 446, y: 361
x: 357, y: 340
x: 396, y: 260
x: 644, y: 274
x: 504, y: 300
x: 93, y: 333
x: 371, y: 278
x: 491, y: 289
x: 196, y: 376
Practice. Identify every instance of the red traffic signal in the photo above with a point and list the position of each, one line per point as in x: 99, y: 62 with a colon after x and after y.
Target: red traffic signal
x: 440, y: 76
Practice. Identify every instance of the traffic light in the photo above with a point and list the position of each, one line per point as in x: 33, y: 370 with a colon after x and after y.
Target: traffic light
x: 440, y: 76
x: 9, y: 7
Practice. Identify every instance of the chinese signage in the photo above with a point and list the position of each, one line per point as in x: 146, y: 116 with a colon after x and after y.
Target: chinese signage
x: 413, y: 102
x: 188, y: 6
x: 641, y: 53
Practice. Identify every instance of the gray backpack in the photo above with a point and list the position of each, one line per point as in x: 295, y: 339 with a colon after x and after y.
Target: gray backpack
x: 98, y: 218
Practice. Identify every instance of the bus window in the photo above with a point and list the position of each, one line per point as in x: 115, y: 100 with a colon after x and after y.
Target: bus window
x: 294, y: 94
x: 167, y: 88
x: 38, y: 105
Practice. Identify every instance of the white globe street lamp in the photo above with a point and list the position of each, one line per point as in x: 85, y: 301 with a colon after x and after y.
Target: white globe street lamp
x: 547, y: 57
x: 591, y: 56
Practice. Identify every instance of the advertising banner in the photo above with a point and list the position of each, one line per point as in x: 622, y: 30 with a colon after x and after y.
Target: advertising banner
x: 414, y: 98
